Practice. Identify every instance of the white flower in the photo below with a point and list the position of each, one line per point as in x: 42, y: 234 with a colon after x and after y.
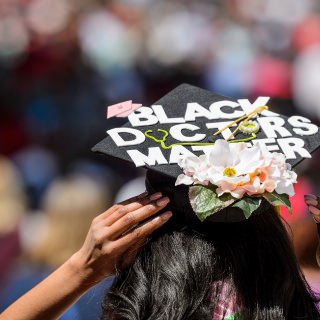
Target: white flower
x: 195, y: 170
x: 239, y: 170
x: 231, y: 166
x: 280, y: 172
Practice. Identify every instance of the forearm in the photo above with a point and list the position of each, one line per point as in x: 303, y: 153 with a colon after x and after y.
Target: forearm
x: 50, y: 298
x: 112, y: 241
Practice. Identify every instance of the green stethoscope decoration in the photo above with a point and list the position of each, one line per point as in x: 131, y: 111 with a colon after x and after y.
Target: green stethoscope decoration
x: 163, y: 145
x: 245, y: 121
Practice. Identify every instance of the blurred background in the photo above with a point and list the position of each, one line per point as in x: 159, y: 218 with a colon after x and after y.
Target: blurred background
x: 62, y: 62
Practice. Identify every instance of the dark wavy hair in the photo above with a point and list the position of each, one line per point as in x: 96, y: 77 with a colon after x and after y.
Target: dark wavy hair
x: 186, y: 265
x: 172, y: 276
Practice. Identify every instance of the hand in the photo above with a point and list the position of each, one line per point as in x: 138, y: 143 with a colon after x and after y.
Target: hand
x: 112, y: 242
x: 116, y: 235
x: 313, y: 203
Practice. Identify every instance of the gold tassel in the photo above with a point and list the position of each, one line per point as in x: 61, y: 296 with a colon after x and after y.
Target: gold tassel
x: 243, y: 118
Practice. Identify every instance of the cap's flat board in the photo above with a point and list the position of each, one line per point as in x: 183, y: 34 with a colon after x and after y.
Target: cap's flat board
x: 175, y: 103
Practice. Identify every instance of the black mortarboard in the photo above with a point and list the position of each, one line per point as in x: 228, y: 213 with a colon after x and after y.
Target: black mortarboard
x: 186, y: 121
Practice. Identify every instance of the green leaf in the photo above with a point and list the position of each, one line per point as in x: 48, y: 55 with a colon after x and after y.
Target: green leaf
x: 277, y: 199
x: 248, y: 205
x: 205, y: 201
x: 237, y: 316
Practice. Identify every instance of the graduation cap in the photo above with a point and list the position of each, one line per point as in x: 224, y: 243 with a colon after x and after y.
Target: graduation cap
x: 188, y: 121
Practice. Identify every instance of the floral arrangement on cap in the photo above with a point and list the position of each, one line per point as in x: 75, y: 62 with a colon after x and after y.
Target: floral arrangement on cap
x: 236, y: 175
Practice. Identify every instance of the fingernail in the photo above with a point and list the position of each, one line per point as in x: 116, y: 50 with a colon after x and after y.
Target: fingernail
x: 163, y: 201
x: 156, y: 196
x: 311, y: 202
x: 316, y: 219
x: 310, y: 207
x: 166, y: 215
x: 142, y: 195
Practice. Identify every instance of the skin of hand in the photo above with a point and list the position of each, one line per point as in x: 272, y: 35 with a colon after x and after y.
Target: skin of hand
x: 313, y: 203
x: 112, y: 242
x: 116, y: 235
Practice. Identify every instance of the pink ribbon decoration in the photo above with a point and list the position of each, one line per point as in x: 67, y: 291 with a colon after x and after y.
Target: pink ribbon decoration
x: 122, y: 109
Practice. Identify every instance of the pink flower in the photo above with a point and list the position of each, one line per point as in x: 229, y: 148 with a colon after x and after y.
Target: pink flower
x: 195, y: 170
x: 239, y: 170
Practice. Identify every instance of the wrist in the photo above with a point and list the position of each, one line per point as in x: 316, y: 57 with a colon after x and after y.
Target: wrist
x: 86, y: 273
x: 80, y: 270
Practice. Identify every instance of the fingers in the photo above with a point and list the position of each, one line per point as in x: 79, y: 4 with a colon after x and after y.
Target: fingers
x: 116, y: 235
x: 140, y: 234
x: 131, y: 218
x: 131, y: 207
x: 117, y: 229
x: 139, y: 198
x: 311, y: 199
x: 310, y: 196
x: 313, y: 204
x: 314, y: 210
x: 133, y: 199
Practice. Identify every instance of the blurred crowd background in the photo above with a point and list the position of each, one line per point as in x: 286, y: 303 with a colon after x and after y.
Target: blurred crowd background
x: 62, y: 62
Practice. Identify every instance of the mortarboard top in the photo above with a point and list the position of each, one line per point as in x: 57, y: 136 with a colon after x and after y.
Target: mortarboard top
x: 188, y: 121
x: 188, y: 117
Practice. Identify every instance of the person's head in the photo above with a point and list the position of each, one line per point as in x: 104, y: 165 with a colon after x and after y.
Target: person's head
x: 12, y: 196
x: 69, y: 204
x: 215, y: 151
x: 182, y: 272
